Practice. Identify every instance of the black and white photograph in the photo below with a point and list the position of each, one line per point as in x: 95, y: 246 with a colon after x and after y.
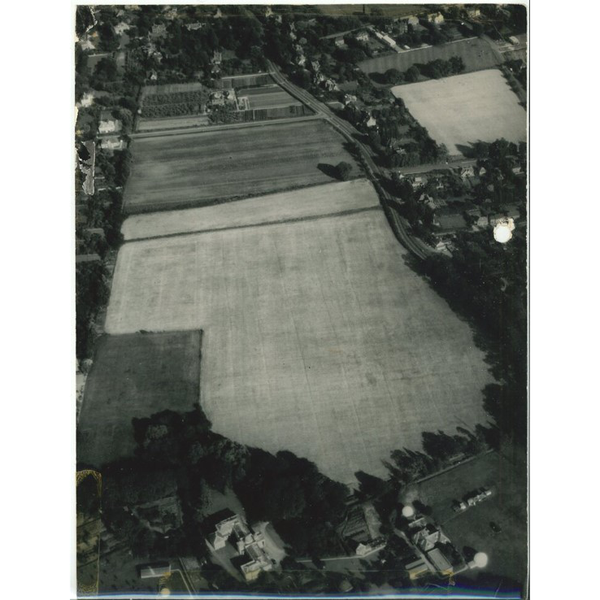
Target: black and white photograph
x: 301, y: 238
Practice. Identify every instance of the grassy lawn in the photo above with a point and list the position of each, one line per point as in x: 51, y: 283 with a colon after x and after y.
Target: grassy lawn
x: 318, y: 338
x: 475, y: 53
x: 175, y: 171
x: 135, y: 376
x: 461, y: 110
x: 507, y: 478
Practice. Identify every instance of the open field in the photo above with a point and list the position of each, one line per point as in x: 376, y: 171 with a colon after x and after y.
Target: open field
x: 464, y: 109
x: 318, y: 338
x: 269, y: 96
x: 135, y: 376
x: 319, y: 200
x: 201, y: 168
x: 476, y: 54
x: 507, y: 549
x: 172, y: 123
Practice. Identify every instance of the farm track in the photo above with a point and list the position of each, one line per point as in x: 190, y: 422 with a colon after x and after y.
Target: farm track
x: 373, y: 172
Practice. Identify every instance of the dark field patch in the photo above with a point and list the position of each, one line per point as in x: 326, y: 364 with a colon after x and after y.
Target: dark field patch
x: 135, y: 375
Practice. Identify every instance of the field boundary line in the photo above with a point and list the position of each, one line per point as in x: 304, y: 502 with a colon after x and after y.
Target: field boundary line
x: 191, y: 129
x: 218, y: 201
x: 343, y: 213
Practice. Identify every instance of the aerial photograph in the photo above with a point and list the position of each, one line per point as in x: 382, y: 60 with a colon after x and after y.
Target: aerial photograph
x: 301, y: 254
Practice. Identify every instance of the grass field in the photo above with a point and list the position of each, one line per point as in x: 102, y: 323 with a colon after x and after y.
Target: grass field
x: 308, y: 202
x: 507, y: 549
x: 464, y: 109
x: 318, y: 338
x: 172, y: 122
x: 200, y: 168
x: 135, y: 376
x: 476, y: 54
x: 269, y: 96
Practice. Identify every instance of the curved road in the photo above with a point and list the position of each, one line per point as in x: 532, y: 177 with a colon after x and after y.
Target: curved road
x: 417, y: 247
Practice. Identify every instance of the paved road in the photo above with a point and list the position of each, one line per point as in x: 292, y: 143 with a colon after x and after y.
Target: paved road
x: 417, y: 247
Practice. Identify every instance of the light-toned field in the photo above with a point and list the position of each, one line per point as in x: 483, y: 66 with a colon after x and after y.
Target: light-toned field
x: 175, y: 171
x: 476, y: 55
x: 319, y: 200
x: 318, y: 338
x: 464, y: 109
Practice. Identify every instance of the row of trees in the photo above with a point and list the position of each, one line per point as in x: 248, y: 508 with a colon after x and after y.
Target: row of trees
x: 435, y: 69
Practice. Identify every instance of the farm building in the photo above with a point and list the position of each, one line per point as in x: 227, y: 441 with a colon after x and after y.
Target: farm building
x: 155, y: 570
x: 416, y: 568
x: 439, y: 561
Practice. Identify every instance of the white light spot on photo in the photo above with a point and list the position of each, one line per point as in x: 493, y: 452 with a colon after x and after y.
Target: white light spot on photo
x: 503, y: 230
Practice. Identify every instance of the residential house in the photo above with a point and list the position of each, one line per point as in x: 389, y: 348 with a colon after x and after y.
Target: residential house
x: 121, y: 28
x: 371, y: 121
x: 339, y: 41
x: 108, y: 123
x: 473, y: 13
x: 419, y: 181
x: 362, y: 36
x: 331, y: 85
x: 435, y: 18
x: 410, y: 20
x: 250, y: 545
x: 427, y: 538
x: 364, y: 549
x: 112, y: 142
x: 194, y: 26
x: 467, y: 172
